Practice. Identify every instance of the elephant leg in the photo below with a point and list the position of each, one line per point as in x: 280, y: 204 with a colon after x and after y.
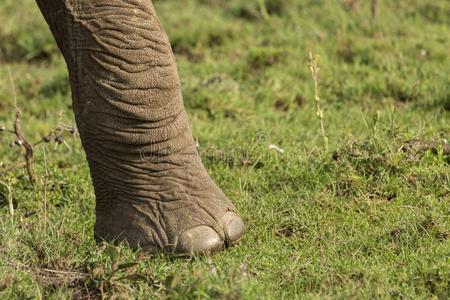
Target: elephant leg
x: 151, y: 187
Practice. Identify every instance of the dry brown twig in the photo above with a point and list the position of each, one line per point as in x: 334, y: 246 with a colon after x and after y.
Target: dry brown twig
x: 22, y: 141
x: 28, y: 147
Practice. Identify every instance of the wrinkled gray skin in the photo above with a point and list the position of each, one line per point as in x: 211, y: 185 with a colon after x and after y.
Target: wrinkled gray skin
x: 150, y: 185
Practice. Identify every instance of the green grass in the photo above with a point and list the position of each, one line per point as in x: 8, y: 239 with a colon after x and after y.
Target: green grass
x: 367, y: 218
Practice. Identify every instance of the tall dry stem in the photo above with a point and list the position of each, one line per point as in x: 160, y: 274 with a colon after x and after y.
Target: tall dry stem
x: 10, y: 199
x: 375, y: 9
x: 314, y: 68
x: 263, y: 10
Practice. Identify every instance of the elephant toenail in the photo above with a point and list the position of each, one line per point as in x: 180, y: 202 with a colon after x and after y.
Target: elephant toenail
x: 233, y: 227
x: 199, y: 240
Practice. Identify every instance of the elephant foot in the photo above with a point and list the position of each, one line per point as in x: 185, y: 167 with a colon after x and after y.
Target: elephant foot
x: 151, y: 188
x: 164, y: 203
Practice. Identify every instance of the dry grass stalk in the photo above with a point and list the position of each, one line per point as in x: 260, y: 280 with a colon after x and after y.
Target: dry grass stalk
x: 374, y: 9
x: 263, y: 10
x: 10, y: 199
x: 314, y: 68
x: 22, y: 142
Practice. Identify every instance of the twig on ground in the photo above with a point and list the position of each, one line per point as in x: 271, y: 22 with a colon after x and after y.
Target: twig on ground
x: 27, y: 267
x: 71, y: 274
x: 421, y: 147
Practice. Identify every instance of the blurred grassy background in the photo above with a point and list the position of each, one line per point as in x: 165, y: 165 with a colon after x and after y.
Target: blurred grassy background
x: 367, y: 218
